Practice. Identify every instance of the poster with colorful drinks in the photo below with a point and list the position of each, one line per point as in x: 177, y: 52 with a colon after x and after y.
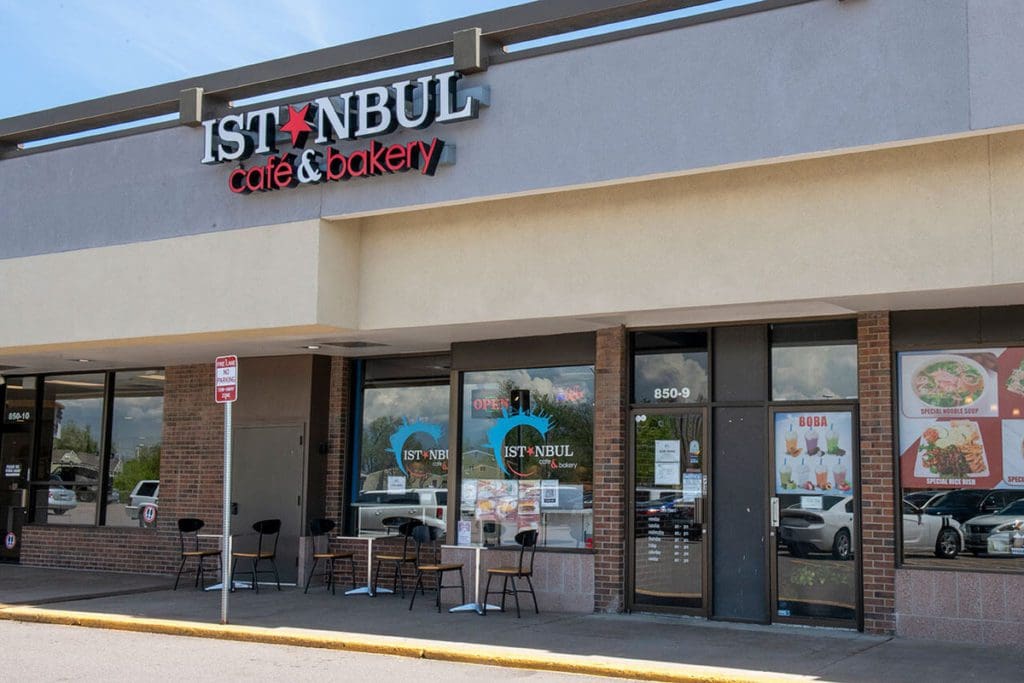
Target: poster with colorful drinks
x: 814, y: 453
x: 961, y: 418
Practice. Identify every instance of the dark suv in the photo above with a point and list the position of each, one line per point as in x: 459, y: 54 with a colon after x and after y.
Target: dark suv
x: 963, y: 504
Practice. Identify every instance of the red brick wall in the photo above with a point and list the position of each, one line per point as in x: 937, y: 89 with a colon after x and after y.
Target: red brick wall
x: 610, y: 470
x: 337, y: 436
x: 876, y: 471
x: 191, y: 472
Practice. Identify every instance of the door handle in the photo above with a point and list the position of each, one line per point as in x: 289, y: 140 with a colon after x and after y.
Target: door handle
x: 775, y: 512
x: 698, y: 510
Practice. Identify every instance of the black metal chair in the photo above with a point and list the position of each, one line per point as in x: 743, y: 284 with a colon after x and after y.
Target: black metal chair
x: 525, y: 539
x: 405, y: 526
x: 266, y: 528
x: 318, y: 530
x: 188, y: 536
x: 422, y: 535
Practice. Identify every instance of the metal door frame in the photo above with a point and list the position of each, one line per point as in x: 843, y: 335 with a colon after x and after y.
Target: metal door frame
x: 630, y: 526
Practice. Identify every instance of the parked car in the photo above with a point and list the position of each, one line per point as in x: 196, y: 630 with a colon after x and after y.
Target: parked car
x: 427, y: 505
x: 827, y: 530
x: 923, y: 499
x: 963, y: 504
x: 979, y: 528
x: 60, y: 499
x: 146, y: 492
x: 831, y: 530
x: 924, y: 533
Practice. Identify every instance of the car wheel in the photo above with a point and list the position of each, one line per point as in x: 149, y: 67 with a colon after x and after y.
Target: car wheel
x: 842, y: 546
x: 58, y: 511
x: 976, y: 553
x: 947, y: 544
x: 86, y: 496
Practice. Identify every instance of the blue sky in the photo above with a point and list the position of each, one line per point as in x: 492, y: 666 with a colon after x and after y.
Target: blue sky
x: 56, y: 52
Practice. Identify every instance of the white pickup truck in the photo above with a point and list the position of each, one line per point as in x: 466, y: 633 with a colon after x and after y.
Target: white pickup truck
x: 146, y: 492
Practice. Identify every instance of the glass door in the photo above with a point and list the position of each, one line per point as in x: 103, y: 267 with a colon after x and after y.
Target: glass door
x: 669, y: 527
x: 815, y: 516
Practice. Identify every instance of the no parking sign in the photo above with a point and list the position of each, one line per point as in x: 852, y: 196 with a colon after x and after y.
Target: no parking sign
x: 148, y: 514
x: 10, y: 540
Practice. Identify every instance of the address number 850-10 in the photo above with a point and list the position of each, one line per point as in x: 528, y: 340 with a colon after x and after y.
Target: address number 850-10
x: 662, y: 393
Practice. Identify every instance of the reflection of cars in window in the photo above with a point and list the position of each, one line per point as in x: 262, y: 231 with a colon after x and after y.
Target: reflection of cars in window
x: 963, y: 504
x: 978, y: 529
x: 60, y: 499
x: 146, y: 492
x: 942, y: 536
x: 831, y: 530
x: 81, y: 479
x: 922, y: 499
x: 827, y: 530
x: 427, y: 505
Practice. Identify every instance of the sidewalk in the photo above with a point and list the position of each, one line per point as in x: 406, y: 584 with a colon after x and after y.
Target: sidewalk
x: 639, y: 646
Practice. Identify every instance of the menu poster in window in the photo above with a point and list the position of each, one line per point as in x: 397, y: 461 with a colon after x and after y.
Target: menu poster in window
x: 666, y: 462
x: 529, y: 503
x: 497, y: 500
x: 813, y: 453
x: 961, y: 418
x: 469, y: 491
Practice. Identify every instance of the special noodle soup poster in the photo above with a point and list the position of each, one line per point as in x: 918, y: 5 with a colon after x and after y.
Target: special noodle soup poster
x: 961, y: 418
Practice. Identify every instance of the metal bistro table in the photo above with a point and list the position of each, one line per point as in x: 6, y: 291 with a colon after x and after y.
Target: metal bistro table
x: 220, y: 584
x: 368, y: 588
x: 476, y: 605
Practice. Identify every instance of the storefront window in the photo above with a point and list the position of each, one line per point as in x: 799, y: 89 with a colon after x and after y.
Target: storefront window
x: 135, y: 445
x: 403, y: 457
x: 961, y: 444
x: 75, y: 450
x: 814, y: 373
x: 677, y: 377
x: 527, y: 455
x: 71, y: 447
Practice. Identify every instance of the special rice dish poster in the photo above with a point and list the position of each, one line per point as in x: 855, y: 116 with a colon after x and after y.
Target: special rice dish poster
x: 961, y: 418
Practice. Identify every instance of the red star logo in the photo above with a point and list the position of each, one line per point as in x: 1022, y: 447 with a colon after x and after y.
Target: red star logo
x: 298, y: 125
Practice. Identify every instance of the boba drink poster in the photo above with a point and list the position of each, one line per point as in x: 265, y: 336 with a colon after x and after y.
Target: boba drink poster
x: 814, y: 453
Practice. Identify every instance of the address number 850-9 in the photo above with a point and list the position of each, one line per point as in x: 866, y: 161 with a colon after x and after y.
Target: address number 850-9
x: 661, y: 393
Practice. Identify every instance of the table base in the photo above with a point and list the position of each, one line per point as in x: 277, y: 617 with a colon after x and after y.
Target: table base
x: 474, y: 607
x: 368, y: 590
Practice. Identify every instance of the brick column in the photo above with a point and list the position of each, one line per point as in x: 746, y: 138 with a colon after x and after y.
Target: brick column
x: 610, y: 470
x: 876, y: 471
x: 337, y: 436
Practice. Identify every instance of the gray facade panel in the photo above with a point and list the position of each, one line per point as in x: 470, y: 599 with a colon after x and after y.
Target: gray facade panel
x: 803, y: 79
x: 996, y: 28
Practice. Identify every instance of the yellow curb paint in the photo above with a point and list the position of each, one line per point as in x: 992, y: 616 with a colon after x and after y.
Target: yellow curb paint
x: 401, y: 647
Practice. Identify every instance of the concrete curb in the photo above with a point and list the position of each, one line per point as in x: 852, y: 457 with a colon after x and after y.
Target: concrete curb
x: 402, y: 647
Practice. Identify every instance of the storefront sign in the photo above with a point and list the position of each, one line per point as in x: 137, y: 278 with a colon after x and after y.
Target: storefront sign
x: 12, y: 471
x: 226, y: 388
x: 813, y: 453
x: 18, y: 416
x: 961, y: 418
x: 360, y: 114
x: 488, y: 404
x: 550, y: 456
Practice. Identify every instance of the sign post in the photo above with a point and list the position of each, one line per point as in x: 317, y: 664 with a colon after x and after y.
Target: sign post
x: 226, y: 391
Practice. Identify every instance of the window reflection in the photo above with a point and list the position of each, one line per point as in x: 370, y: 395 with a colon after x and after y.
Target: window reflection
x: 670, y: 377
x: 135, y: 445
x: 403, y: 459
x: 807, y: 373
x: 527, y: 455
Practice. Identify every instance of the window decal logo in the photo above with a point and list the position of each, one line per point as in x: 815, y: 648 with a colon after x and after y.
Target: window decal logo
x: 405, y: 432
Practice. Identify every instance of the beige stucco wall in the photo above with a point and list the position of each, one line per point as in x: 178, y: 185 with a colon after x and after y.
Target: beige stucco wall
x: 911, y: 219
x: 925, y: 221
x: 249, y: 279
